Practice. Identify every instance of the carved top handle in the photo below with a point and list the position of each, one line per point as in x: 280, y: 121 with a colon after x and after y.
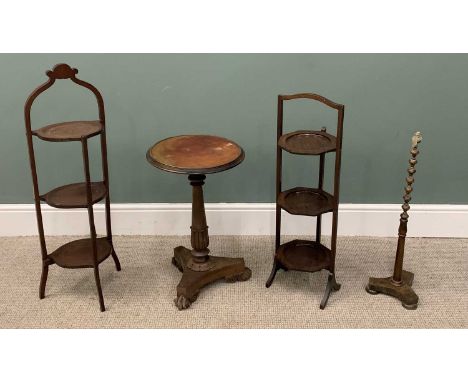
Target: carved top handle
x: 62, y: 72
x: 313, y: 96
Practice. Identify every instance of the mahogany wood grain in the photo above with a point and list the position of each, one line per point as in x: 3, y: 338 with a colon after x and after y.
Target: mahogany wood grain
x: 195, y: 154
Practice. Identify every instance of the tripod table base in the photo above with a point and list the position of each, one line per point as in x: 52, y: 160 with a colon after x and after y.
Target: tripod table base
x: 403, y: 292
x: 229, y: 269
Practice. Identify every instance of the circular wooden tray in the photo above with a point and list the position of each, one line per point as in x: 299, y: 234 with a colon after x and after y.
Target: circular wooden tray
x: 74, y: 195
x: 79, y: 253
x: 69, y: 131
x: 307, y: 142
x: 306, y: 201
x: 304, y: 255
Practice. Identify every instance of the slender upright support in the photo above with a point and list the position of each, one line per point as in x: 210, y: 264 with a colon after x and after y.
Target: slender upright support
x: 92, y: 228
x: 279, y: 169
x: 336, y: 186
x: 105, y: 174
x: 37, y: 201
x: 318, y: 229
x: 45, y: 272
x: 332, y: 285
x: 399, y: 285
x: 40, y: 226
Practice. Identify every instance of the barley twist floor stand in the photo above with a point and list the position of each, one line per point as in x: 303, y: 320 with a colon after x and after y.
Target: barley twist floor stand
x: 306, y: 255
x: 399, y: 285
x: 83, y: 253
x: 197, y: 155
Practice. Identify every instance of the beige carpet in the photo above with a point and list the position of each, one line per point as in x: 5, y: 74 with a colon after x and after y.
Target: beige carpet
x: 141, y: 295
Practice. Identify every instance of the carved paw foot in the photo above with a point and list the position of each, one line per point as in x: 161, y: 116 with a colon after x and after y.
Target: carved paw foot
x: 182, y: 302
x: 247, y: 274
x: 195, y: 296
x: 244, y: 276
x: 176, y: 263
x: 231, y: 279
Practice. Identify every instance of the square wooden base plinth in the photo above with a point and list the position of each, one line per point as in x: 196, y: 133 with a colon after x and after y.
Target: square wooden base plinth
x: 229, y: 269
x: 403, y: 292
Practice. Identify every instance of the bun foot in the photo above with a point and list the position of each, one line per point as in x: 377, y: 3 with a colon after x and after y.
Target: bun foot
x: 371, y: 291
x: 246, y: 275
x: 409, y: 306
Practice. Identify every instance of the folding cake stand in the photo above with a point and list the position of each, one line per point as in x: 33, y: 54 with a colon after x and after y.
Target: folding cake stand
x: 305, y: 255
x: 83, y: 253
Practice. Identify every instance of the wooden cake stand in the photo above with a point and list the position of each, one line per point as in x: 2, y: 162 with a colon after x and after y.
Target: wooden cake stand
x: 196, y: 156
x: 82, y: 253
x: 308, y: 255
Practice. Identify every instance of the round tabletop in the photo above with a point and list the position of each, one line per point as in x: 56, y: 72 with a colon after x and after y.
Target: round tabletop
x: 195, y: 154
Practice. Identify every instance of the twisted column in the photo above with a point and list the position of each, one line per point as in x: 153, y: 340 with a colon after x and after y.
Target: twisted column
x: 397, y: 271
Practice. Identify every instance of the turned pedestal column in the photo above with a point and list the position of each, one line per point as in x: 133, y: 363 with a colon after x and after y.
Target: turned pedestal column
x: 199, y: 238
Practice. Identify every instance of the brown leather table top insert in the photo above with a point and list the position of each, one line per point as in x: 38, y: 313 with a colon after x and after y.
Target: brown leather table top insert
x: 195, y: 152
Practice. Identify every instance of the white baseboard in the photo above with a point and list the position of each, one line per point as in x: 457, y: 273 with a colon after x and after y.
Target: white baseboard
x: 426, y: 220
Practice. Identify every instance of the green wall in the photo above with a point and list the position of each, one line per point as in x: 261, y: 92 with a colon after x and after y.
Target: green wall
x: 152, y: 96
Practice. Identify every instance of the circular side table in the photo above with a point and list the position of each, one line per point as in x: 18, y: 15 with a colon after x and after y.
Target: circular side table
x: 196, y: 156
